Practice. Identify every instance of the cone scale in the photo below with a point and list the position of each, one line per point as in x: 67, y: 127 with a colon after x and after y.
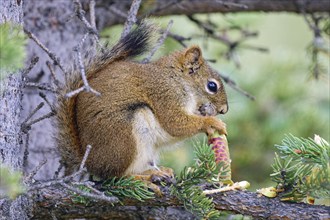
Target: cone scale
x: 219, y: 144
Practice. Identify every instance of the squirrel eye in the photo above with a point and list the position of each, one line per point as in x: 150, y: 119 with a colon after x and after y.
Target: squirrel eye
x: 212, y: 87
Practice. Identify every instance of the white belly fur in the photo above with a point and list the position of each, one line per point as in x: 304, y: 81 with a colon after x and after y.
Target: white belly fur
x: 150, y: 138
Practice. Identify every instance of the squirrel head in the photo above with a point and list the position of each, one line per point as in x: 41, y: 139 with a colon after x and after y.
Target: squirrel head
x: 207, y: 85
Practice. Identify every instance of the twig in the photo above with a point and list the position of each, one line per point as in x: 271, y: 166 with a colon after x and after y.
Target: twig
x: 87, y: 152
x: 75, y: 92
x: 46, y: 150
x: 232, y: 45
x: 48, y: 115
x: 233, y: 85
x: 33, y: 62
x: 86, y: 87
x: 52, y: 72
x: 44, y: 97
x: 131, y: 19
x: 251, y: 47
x: 90, y: 195
x: 54, y: 182
x: 41, y: 86
x: 161, y: 8
x: 89, y: 185
x: 317, y: 41
x: 159, y: 42
x: 51, y: 55
x: 41, y: 104
x: 243, y: 185
x: 80, y: 63
x: 81, y: 15
x: 179, y: 39
x: 27, y: 126
x: 26, y: 150
x: 29, y: 178
x: 81, y: 170
x: 311, y: 26
x: 92, y: 13
x: 91, y: 27
x: 57, y: 172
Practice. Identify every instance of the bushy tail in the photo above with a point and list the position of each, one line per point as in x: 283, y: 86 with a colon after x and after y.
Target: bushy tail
x: 135, y: 43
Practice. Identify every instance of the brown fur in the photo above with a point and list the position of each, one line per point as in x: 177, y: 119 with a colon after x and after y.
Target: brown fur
x: 140, y: 105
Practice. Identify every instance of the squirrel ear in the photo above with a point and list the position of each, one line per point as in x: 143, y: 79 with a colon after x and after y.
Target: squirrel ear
x: 193, y: 54
x: 192, y: 59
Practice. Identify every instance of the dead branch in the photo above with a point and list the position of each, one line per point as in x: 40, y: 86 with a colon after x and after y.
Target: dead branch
x: 44, y: 97
x: 179, y: 39
x: 26, y: 124
x: 90, y: 195
x: 80, y: 13
x: 92, y: 13
x: 190, y: 7
x: 51, y: 55
x: 65, y: 179
x: 234, y: 85
x: 243, y: 202
x: 33, y: 62
x: 29, y: 178
x: 131, y: 18
x: 86, y: 87
x: 52, y: 72
x: 95, y: 194
x: 231, y: 44
x: 26, y: 150
x: 41, y: 86
x: 318, y: 43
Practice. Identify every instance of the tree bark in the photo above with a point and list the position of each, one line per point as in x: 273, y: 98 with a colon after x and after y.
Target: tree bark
x: 11, y: 94
x: 10, y: 127
x: 54, y: 23
x: 243, y: 202
x: 190, y: 7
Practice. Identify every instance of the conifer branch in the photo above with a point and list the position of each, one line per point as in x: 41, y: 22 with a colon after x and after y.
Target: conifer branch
x: 302, y: 170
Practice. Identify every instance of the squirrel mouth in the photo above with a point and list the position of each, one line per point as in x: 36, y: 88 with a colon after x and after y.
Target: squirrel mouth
x: 207, y: 109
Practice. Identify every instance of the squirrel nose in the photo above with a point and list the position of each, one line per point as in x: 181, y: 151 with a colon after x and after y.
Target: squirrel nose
x: 224, y: 109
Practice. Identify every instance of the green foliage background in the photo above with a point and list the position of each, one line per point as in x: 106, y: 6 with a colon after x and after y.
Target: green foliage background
x: 12, y: 49
x: 288, y: 100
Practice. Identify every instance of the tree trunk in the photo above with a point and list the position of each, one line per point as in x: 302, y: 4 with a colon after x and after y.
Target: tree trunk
x: 11, y: 93
x: 10, y: 127
x: 55, y: 25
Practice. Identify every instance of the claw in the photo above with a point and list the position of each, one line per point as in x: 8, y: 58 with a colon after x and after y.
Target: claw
x: 153, y: 177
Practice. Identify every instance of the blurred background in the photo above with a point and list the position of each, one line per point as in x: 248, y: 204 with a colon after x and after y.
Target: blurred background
x: 288, y: 99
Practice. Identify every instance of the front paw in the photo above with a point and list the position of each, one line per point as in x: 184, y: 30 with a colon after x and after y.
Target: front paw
x: 161, y: 174
x: 213, y: 124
